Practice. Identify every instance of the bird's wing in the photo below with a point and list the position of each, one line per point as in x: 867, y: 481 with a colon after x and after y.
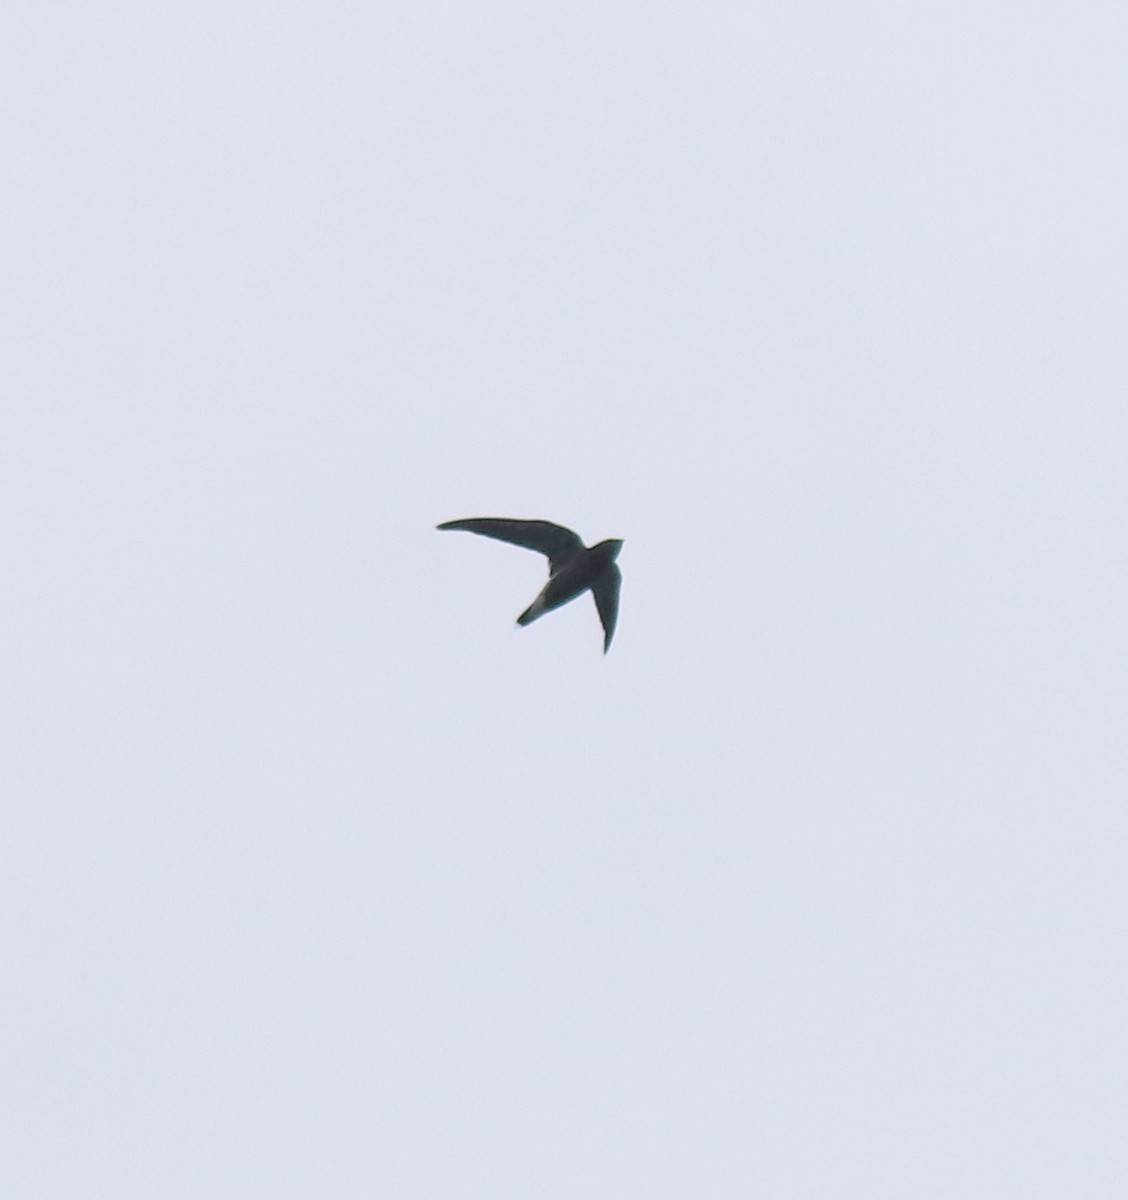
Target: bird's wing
x: 605, y: 589
x: 554, y: 540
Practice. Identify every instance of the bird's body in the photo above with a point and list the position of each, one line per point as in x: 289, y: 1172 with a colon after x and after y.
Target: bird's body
x: 572, y: 567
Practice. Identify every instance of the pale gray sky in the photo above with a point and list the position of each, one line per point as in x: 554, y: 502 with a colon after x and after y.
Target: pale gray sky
x: 318, y: 879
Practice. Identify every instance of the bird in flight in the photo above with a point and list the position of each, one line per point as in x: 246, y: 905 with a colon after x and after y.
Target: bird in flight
x: 572, y: 567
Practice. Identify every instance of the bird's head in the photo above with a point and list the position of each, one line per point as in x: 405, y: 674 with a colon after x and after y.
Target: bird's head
x: 608, y: 550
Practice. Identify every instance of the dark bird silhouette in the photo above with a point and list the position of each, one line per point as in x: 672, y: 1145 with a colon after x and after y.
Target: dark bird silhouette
x: 572, y: 567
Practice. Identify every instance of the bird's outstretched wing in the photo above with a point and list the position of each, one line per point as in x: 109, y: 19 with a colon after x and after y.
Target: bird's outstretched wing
x: 554, y: 540
x: 605, y: 589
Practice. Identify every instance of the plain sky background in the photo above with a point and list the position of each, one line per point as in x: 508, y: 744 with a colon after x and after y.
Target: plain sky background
x: 317, y: 879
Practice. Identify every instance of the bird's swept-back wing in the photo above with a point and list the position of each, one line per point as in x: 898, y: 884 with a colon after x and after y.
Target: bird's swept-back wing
x: 605, y: 589
x: 554, y: 540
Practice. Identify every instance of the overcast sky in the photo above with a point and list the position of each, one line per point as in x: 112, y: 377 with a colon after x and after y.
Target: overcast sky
x: 319, y: 878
